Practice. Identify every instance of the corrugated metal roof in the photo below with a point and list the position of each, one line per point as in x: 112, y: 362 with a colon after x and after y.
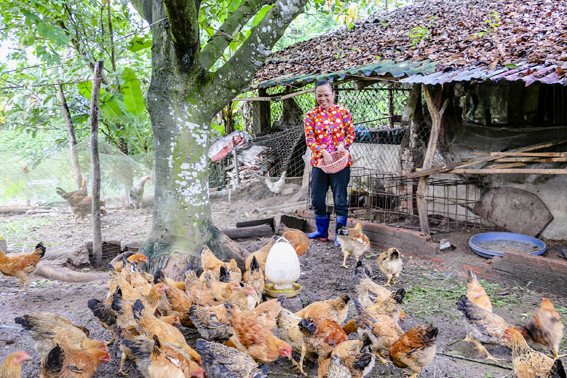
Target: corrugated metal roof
x: 425, y: 73
x: 529, y: 73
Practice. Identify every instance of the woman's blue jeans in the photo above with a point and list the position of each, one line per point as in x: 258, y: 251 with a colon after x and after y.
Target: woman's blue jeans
x: 320, y: 183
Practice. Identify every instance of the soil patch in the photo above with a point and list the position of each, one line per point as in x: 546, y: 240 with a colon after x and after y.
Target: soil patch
x: 433, y: 287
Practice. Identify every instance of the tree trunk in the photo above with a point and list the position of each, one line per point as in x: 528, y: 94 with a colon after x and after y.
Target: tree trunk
x: 97, y: 235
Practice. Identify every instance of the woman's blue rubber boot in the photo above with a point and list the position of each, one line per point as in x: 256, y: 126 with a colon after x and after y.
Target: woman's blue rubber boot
x: 342, y: 220
x: 322, y: 233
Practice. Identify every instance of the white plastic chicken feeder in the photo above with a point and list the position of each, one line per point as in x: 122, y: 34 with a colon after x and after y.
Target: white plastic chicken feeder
x: 282, y: 268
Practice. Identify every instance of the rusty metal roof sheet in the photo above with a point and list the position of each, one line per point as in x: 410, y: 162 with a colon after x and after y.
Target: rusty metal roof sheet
x: 461, y: 40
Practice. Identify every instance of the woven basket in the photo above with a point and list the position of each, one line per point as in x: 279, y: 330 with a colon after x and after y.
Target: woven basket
x: 340, y: 160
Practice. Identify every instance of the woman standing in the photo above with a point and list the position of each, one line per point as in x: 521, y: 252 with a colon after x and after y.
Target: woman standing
x: 328, y: 128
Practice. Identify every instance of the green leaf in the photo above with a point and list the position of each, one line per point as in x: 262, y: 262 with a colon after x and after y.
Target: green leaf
x: 510, y: 65
x: 134, y: 100
x: 260, y: 15
x: 139, y: 43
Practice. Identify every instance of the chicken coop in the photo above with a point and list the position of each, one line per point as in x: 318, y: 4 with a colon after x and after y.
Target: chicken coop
x: 437, y: 132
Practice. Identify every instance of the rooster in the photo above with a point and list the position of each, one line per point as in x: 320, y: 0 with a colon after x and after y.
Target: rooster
x: 136, y: 193
x: 20, y: 266
x: 545, y: 328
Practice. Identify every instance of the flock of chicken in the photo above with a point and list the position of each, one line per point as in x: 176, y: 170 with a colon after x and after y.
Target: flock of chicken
x: 241, y: 334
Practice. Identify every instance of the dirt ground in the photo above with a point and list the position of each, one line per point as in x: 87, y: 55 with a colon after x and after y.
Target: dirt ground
x: 432, y: 289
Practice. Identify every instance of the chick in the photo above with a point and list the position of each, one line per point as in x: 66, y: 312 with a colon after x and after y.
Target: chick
x: 390, y: 263
x: 353, y: 242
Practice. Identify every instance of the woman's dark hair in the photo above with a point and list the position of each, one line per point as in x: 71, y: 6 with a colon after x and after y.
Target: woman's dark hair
x: 325, y: 82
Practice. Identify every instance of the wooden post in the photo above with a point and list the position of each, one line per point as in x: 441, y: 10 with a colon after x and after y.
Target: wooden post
x: 262, y: 118
x: 436, y: 118
x: 391, y: 106
x: 71, y: 132
x: 409, y: 153
x: 235, y: 157
x: 95, y: 94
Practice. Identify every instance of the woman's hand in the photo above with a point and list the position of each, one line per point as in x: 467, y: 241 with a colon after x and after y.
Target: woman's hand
x: 341, y: 147
x: 327, y: 158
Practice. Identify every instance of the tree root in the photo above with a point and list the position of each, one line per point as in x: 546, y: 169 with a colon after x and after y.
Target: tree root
x: 65, y: 274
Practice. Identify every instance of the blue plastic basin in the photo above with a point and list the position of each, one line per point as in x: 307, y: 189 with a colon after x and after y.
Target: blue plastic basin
x: 506, y: 236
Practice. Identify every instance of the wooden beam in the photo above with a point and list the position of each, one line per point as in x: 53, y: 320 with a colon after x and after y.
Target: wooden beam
x: 255, y: 222
x: 509, y: 171
x: 452, y: 166
x: 527, y: 154
x: 249, y: 232
x: 436, y: 118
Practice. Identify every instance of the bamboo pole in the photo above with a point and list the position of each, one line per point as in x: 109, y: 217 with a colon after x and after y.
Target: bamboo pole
x: 71, y: 133
x: 436, y: 118
x: 97, y: 234
x: 522, y: 154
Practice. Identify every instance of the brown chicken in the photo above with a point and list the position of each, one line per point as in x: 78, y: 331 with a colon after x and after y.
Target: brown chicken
x: 354, y: 356
x: 367, y: 290
x: 261, y: 255
x: 529, y: 363
x: 252, y: 337
x: 81, y: 206
x: 165, y: 332
x: 482, y: 326
x: 220, y: 361
x: 20, y: 266
x: 12, y: 365
x: 155, y: 359
x: 390, y: 263
x: 476, y: 293
x: 210, y: 262
x: 320, y: 336
x: 136, y: 257
x: 288, y: 330
x: 195, y: 288
x: 49, y: 330
x: 75, y: 195
x: 297, y: 238
x: 353, y: 242
x: 335, y: 309
x: 354, y: 365
x: 391, y: 306
x: 415, y: 349
x: 545, y: 329
x: 382, y: 330
x: 255, y: 277
x: 177, y: 301
x: 221, y: 291
x: 72, y: 363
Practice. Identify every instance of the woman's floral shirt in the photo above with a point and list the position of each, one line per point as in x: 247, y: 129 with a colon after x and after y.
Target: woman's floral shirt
x: 326, y: 129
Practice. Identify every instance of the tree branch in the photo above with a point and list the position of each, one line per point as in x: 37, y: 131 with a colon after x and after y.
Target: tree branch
x: 228, y: 81
x: 184, y: 28
x: 232, y: 25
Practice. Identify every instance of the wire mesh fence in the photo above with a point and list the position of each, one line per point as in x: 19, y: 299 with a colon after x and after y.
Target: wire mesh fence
x: 391, y: 199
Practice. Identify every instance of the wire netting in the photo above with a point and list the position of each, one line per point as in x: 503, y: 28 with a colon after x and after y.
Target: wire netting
x: 21, y: 184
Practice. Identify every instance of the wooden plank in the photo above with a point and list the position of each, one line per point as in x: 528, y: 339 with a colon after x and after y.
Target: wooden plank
x: 249, y: 232
x: 525, y: 154
x: 510, y: 171
x: 256, y: 222
x: 381, y: 236
x: 540, y: 272
x: 507, y: 165
x: 532, y: 159
x: 452, y: 166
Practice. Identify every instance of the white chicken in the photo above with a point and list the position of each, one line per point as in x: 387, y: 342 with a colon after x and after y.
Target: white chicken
x: 278, y: 186
x: 136, y: 194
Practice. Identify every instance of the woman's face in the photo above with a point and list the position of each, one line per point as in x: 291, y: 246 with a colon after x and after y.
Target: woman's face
x: 325, y: 96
